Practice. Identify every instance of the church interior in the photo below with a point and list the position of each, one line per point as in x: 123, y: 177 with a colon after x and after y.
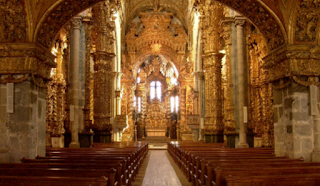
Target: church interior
x: 239, y: 73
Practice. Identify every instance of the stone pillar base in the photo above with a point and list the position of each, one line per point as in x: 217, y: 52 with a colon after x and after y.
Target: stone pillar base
x: 231, y: 140
x: 315, y: 156
x: 102, y: 137
x: 57, y: 141
x: 4, y: 157
x: 67, y: 139
x: 215, y: 138
x: 85, y: 139
x: 243, y: 145
x: 74, y: 144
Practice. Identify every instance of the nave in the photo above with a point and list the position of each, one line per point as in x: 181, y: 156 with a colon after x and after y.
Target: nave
x: 183, y: 164
x: 158, y: 169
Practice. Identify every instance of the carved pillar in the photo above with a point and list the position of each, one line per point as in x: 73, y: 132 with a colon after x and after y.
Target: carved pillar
x: 229, y: 125
x: 200, y: 79
x: 66, y: 59
x: 213, y: 118
x: 103, y: 59
x: 87, y: 96
x: 239, y: 22
x: 76, y: 26
x: 23, y: 90
x: 211, y: 13
x: 293, y: 70
x: 57, y: 96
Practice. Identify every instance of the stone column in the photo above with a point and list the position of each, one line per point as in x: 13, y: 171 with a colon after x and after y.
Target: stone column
x: 103, y: 59
x: 76, y: 26
x: 239, y: 22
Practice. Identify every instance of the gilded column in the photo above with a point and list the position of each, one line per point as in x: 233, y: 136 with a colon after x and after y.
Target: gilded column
x: 229, y: 118
x: 239, y: 22
x: 87, y: 96
x: 76, y: 26
x: 213, y: 118
x: 102, y: 73
x: 211, y: 13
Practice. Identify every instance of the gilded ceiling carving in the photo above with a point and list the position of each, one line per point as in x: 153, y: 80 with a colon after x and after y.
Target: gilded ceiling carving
x: 307, y: 20
x: 178, y: 7
x: 13, y: 27
x: 262, y: 18
x: 59, y: 16
x: 158, y: 36
x: 271, y: 29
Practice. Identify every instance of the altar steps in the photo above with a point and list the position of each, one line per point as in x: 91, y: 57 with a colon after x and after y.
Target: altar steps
x: 156, y: 142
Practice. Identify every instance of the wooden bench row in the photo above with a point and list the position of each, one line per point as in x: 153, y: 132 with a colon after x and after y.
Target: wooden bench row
x: 113, y: 164
x: 212, y: 164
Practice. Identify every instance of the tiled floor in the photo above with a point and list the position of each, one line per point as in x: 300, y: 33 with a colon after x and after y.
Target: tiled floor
x: 157, y: 170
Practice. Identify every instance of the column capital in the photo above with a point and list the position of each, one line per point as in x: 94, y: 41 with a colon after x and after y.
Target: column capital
x: 76, y: 22
x: 239, y: 21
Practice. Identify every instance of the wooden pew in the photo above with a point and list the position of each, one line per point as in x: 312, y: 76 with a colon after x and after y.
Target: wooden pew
x: 275, y: 180
x: 51, y: 181
x: 221, y: 174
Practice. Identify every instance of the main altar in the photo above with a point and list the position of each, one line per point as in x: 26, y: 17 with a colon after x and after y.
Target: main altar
x: 156, y: 123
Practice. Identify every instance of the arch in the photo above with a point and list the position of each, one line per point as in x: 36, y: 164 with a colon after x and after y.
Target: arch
x: 144, y: 5
x: 141, y: 58
x: 261, y: 15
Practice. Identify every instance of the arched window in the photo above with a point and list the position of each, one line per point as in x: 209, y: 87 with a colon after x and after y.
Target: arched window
x: 155, y: 90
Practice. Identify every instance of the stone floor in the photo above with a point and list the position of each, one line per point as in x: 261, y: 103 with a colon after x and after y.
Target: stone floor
x: 158, y: 169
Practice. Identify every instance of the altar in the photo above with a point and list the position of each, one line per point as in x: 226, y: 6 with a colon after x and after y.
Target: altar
x: 156, y: 122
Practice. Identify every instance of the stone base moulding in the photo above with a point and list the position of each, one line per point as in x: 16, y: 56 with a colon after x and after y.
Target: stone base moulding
x: 214, y: 138
x: 231, y: 140
x: 102, y: 137
x: 86, y: 139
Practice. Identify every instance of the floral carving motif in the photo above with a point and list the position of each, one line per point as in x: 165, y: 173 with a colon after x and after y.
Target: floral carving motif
x: 60, y: 15
x: 13, y: 27
x: 307, y: 20
x: 261, y: 18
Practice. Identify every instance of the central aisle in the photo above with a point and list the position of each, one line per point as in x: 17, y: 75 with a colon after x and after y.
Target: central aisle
x: 159, y: 171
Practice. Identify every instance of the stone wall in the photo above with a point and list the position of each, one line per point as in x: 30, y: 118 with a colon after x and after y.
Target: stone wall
x: 293, y: 124
x: 23, y: 132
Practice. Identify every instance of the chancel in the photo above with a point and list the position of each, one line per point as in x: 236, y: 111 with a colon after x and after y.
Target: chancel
x: 112, y: 80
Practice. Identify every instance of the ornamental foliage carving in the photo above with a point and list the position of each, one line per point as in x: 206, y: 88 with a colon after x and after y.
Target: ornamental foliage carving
x: 307, y: 20
x: 262, y: 18
x: 157, y: 34
x: 59, y: 16
x: 13, y: 27
x: 293, y: 60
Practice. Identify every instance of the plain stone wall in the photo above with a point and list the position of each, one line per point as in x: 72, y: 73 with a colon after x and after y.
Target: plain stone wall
x: 24, y: 131
x: 293, y: 124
